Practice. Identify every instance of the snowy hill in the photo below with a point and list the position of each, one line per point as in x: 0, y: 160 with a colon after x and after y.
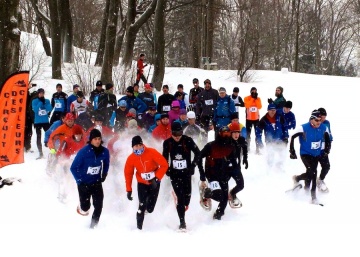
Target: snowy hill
x: 270, y: 223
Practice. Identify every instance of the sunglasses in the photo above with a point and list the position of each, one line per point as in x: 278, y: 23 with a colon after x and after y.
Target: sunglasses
x: 317, y: 120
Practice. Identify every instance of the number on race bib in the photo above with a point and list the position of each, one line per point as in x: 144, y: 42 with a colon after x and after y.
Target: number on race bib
x: 214, y: 185
x: 253, y: 109
x: 209, y: 102
x: 42, y: 112
x: 315, y: 145
x: 179, y: 164
x: 166, y: 108
x: 58, y: 105
x: 148, y: 175
x: 93, y: 170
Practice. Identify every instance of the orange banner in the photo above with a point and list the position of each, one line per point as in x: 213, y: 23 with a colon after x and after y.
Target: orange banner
x: 12, y: 118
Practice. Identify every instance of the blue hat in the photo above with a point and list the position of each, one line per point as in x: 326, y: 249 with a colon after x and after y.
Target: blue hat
x: 271, y: 107
x: 122, y: 103
x: 157, y: 116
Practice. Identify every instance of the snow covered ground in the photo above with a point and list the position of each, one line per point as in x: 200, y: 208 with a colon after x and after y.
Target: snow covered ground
x: 270, y: 223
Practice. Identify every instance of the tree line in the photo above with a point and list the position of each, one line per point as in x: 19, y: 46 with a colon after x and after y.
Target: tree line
x: 310, y: 36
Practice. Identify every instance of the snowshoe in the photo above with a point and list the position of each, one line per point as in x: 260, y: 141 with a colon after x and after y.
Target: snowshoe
x: 205, y: 203
x: 234, y: 202
x: 322, y: 186
x: 182, y: 227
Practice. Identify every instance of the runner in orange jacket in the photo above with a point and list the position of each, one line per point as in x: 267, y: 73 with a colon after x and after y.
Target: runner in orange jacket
x: 150, y: 168
x: 62, y: 132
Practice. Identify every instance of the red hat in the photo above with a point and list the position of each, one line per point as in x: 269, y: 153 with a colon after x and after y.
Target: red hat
x: 234, y: 127
x: 69, y: 116
x: 147, y: 86
x: 77, y: 130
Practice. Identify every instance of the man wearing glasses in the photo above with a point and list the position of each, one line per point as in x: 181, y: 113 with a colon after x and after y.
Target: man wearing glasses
x: 311, y: 137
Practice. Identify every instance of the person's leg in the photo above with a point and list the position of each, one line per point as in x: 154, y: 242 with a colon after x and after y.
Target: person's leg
x: 239, y: 179
x: 84, y: 197
x: 325, y: 166
x: 38, y: 138
x: 97, y: 194
x: 142, y: 195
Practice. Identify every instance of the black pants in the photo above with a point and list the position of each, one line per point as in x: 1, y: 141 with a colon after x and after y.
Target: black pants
x: 147, y: 201
x: 142, y: 77
x: 239, y: 180
x: 325, y: 166
x: 249, y: 124
x: 86, y: 191
x: 38, y: 127
x: 220, y: 195
x: 56, y: 116
x: 28, y: 133
x: 311, y: 163
x: 204, y: 122
x: 182, y: 187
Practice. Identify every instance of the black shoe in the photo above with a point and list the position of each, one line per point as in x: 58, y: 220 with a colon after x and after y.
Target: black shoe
x: 41, y: 156
x: 93, y: 223
x: 182, y: 226
x: 139, y: 225
x: 217, y: 215
x: 207, y: 193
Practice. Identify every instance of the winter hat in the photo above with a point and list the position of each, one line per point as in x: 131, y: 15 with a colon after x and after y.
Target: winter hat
x: 136, y: 140
x: 122, y: 103
x: 253, y: 88
x: 75, y: 86
x: 271, y: 107
x: 191, y: 115
x: 182, y: 112
x: 180, y: 86
x: 80, y: 94
x: 177, y: 94
x: 130, y: 89
x: 222, y: 89
x: 99, y: 118
x: 132, y: 124
x: 164, y: 115
x: 315, y: 115
x: 165, y: 86
x: 152, y: 107
x: 175, y: 103
x: 236, y: 90
x: 322, y: 111
x: 99, y: 83
x: 288, y: 104
x: 234, y: 115
x: 157, y: 117
x: 281, y: 89
x: 207, y: 81
x: 195, y: 80
x: 131, y: 113
x: 109, y: 86
x: 234, y: 127
x: 176, y: 126
x: 147, y: 86
x: 69, y: 116
x: 58, y: 85
x: 77, y: 130
x: 41, y: 90
x: 94, y: 133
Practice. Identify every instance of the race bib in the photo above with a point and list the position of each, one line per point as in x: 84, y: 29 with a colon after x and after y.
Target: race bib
x: 148, y: 175
x: 315, y: 145
x: 108, y: 105
x: 58, y: 105
x: 93, y: 170
x: 179, y: 164
x: 253, y: 109
x: 42, y: 112
x: 166, y: 108
x: 214, y: 185
x: 209, y: 102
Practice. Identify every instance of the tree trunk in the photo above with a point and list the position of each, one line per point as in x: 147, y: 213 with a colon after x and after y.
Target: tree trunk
x: 66, y: 30
x: 297, y: 35
x: 159, y: 45
x: 195, y: 41
x: 132, y: 28
x: 46, y: 44
x: 55, y: 39
x: 106, y: 71
x: 9, y: 39
x: 210, y: 21
x: 119, y: 36
x: 101, y: 48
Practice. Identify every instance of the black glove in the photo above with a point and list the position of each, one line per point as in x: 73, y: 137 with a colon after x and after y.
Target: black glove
x: 45, y: 144
x: 270, y: 100
x: 293, y: 155
x: 245, y: 162
x: 254, y: 95
x: 154, y: 183
x: 191, y: 170
x: 103, y: 177
x: 129, y: 196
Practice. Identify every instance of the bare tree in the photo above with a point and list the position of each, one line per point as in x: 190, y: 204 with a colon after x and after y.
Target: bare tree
x: 9, y: 38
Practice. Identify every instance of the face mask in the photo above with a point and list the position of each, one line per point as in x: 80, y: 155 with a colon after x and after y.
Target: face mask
x: 139, y: 151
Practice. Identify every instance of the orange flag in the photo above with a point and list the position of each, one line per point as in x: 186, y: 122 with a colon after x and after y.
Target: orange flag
x: 12, y: 118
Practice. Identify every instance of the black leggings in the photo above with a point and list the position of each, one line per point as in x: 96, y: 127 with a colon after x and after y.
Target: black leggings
x: 239, y: 179
x: 86, y: 191
x: 38, y: 127
x: 249, y: 124
x: 147, y: 200
x: 311, y: 163
x: 182, y: 189
x: 221, y: 195
x: 325, y: 166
